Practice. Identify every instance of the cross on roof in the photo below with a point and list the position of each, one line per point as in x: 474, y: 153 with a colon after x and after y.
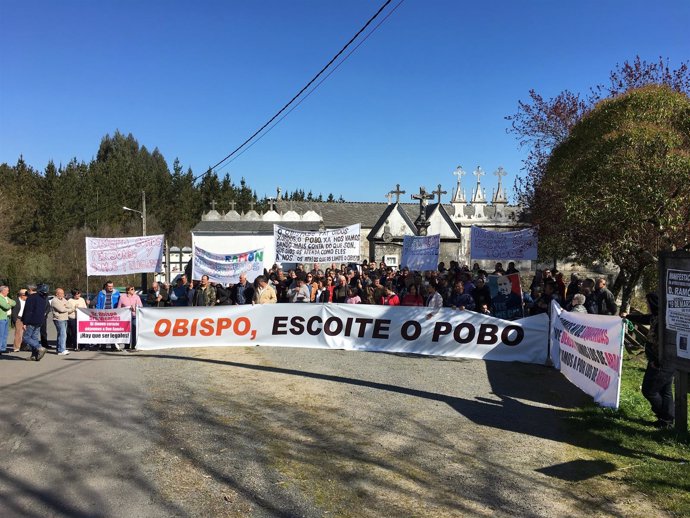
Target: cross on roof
x: 232, y: 205
x: 459, y: 172
x: 389, y: 196
x: 438, y: 192
x: 478, y: 173
x: 397, y: 192
x: 251, y: 205
x: 500, y: 173
x: 271, y: 203
x: 213, y: 204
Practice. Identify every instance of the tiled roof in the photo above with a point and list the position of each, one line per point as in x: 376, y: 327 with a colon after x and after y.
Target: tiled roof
x: 252, y: 227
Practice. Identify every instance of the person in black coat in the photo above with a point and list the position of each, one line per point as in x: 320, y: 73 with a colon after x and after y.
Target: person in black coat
x: 33, y: 318
x: 481, y: 294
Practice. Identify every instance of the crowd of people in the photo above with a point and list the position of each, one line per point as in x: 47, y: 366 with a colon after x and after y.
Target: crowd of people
x: 457, y: 287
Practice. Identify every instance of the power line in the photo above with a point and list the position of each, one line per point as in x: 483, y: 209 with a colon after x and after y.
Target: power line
x: 313, y: 79
x: 310, y: 91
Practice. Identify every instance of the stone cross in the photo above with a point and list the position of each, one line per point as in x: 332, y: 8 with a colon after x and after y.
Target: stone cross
x: 438, y: 192
x: 459, y: 172
x: 232, y: 205
x: 213, y: 204
x: 478, y: 173
x: 423, y: 196
x: 271, y: 204
x: 397, y: 192
x: 389, y: 196
x: 251, y: 205
x: 500, y: 173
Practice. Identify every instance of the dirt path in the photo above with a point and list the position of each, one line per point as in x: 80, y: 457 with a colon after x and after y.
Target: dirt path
x: 294, y: 432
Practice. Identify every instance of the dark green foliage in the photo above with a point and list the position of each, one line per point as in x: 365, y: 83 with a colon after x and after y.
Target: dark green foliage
x: 48, y: 214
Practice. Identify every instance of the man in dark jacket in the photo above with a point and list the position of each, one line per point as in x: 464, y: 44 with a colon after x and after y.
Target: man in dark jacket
x: 606, y: 302
x: 32, y: 319
x: 157, y: 296
x: 657, y: 384
x: 242, y: 292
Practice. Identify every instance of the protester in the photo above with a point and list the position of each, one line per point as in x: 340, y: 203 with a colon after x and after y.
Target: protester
x: 242, y: 292
x: 132, y: 301
x: 433, y: 300
x: 390, y: 298
x: 578, y: 303
x: 157, y: 296
x: 16, y: 317
x: 264, y: 293
x: 412, y: 298
x: 108, y: 297
x: 73, y: 305
x: 657, y: 383
x: 204, y: 294
x: 353, y: 297
x: 606, y: 302
x: 180, y: 292
x: 459, y: 299
x: 59, y: 310
x: 6, y: 305
x: 33, y: 318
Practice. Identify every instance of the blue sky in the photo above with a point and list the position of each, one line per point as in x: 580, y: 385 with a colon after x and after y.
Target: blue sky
x: 428, y: 91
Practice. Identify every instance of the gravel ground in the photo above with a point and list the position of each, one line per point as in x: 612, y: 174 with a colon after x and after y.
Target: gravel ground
x: 294, y: 432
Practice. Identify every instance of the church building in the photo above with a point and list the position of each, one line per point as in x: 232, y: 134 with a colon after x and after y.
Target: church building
x: 383, y: 224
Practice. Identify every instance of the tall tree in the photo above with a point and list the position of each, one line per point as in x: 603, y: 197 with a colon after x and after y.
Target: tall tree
x: 617, y: 188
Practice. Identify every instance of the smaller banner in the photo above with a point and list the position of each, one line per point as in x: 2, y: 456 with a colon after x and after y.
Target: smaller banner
x: 104, y: 326
x: 124, y: 255
x: 226, y: 268
x: 517, y: 245
x: 341, y: 245
x: 420, y: 253
x: 678, y: 302
x: 588, y: 351
x: 506, y: 296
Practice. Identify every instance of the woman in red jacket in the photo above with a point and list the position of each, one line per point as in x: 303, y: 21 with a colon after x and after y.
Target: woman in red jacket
x: 413, y: 298
x: 390, y: 298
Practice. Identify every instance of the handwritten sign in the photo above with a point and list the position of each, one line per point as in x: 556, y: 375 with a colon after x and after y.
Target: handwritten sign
x: 340, y: 245
x: 420, y: 253
x: 124, y: 255
x: 227, y: 268
x: 517, y: 245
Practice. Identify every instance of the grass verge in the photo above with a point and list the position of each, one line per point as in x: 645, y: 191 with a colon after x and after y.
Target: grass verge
x: 653, y: 462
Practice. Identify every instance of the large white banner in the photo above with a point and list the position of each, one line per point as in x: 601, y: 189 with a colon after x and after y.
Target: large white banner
x: 517, y: 245
x: 420, y: 253
x: 104, y: 326
x: 340, y: 245
x: 356, y: 327
x: 124, y: 255
x: 588, y: 351
x: 226, y: 268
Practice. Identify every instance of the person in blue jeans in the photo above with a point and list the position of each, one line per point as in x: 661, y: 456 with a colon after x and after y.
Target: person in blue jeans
x: 32, y: 319
x: 59, y: 311
x: 6, y: 305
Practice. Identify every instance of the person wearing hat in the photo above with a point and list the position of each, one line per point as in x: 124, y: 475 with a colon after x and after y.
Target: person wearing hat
x: 657, y: 384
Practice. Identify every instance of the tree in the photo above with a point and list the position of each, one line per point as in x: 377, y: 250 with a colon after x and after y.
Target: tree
x: 617, y: 188
x: 540, y: 124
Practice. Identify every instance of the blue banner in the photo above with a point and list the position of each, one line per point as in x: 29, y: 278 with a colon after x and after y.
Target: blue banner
x: 420, y: 253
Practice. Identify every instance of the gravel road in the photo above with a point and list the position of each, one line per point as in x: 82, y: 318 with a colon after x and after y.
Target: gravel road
x: 293, y: 432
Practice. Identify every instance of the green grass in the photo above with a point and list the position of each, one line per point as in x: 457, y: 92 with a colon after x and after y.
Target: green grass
x: 653, y: 462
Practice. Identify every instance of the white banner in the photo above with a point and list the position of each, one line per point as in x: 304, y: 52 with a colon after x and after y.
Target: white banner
x: 124, y: 255
x: 517, y: 245
x: 104, y: 326
x: 588, y: 351
x: 420, y: 253
x: 226, y: 268
x: 340, y: 245
x: 356, y: 327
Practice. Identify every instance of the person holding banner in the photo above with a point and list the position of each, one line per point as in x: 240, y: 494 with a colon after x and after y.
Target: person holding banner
x: 132, y: 301
x: 433, y: 299
x: 73, y: 304
x: 59, y: 310
x: 204, y: 294
x: 6, y: 305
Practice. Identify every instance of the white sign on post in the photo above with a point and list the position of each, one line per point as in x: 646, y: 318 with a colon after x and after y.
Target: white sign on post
x: 340, y: 245
x: 124, y: 255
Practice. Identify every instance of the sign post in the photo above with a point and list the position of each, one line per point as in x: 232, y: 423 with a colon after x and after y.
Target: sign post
x: 674, y: 326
